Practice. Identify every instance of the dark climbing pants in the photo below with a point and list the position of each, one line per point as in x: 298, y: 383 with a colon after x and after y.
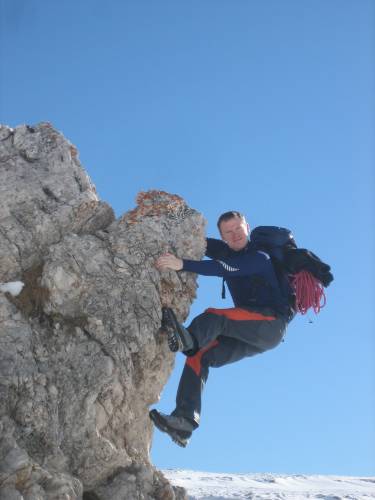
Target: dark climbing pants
x: 223, y: 336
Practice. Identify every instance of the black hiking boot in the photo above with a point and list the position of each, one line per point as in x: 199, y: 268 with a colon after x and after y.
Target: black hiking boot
x: 179, y: 339
x: 178, y: 428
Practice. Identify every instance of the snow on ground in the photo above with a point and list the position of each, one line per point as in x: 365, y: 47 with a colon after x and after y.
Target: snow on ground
x: 213, y: 486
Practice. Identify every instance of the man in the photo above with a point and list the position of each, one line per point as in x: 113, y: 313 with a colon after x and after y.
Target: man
x: 218, y: 337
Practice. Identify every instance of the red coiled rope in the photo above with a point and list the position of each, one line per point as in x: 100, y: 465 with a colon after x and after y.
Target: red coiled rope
x: 309, y: 292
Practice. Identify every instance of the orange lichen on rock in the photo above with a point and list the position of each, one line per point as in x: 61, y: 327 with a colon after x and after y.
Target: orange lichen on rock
x: 156, y: 203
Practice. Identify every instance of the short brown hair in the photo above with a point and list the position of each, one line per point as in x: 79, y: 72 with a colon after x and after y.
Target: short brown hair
x: 229, y: 215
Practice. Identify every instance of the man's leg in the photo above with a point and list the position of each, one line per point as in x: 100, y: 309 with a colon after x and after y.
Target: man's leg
x: 182, y: 422
x: 222, y: 351
x: 221, y: 336
x: 227, y: 335
x: 261, y: 331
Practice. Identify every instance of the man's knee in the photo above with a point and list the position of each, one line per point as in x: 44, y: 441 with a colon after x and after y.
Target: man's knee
x: 206, y: 327
x: 201, y: 358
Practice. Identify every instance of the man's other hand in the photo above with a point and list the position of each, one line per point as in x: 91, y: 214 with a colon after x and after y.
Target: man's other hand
x: 168, y: 261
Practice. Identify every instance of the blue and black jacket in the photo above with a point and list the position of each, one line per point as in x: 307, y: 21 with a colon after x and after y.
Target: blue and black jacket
x: 249, y: 274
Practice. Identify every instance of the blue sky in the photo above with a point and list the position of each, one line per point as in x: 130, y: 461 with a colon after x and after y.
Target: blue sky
x: 264, y: 106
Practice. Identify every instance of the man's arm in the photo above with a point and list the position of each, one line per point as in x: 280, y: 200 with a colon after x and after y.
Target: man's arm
x: 244, y: 265
x: 215, y: 249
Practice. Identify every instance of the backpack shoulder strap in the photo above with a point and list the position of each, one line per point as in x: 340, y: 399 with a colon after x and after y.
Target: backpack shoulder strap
x: 274, y: 239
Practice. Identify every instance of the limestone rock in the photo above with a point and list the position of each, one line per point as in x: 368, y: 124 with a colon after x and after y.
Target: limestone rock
x: 81, y: 355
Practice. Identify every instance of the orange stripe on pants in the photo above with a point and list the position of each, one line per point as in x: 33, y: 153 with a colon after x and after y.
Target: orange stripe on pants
x: 195, y: 362
x: 239, y: 314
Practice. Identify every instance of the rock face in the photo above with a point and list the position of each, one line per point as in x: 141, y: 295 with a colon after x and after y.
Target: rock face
x: 81, y: 355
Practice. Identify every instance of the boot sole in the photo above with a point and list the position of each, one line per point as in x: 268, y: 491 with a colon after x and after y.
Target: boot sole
x: 170, y: 326
x: 179, y: 437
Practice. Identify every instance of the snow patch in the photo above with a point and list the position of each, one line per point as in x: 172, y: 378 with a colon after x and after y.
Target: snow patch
x: 13, y: 287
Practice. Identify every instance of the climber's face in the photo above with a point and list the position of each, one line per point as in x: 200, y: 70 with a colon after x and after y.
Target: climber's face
x: 235, y: 232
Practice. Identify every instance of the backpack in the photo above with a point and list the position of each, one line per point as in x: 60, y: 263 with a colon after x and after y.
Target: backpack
x: 299, y: 268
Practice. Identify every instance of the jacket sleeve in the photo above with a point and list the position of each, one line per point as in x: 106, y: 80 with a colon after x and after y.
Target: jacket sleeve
x: 244, y: 265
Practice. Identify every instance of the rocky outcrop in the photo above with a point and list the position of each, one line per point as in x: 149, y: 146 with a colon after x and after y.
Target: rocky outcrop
x: 81, y: 355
